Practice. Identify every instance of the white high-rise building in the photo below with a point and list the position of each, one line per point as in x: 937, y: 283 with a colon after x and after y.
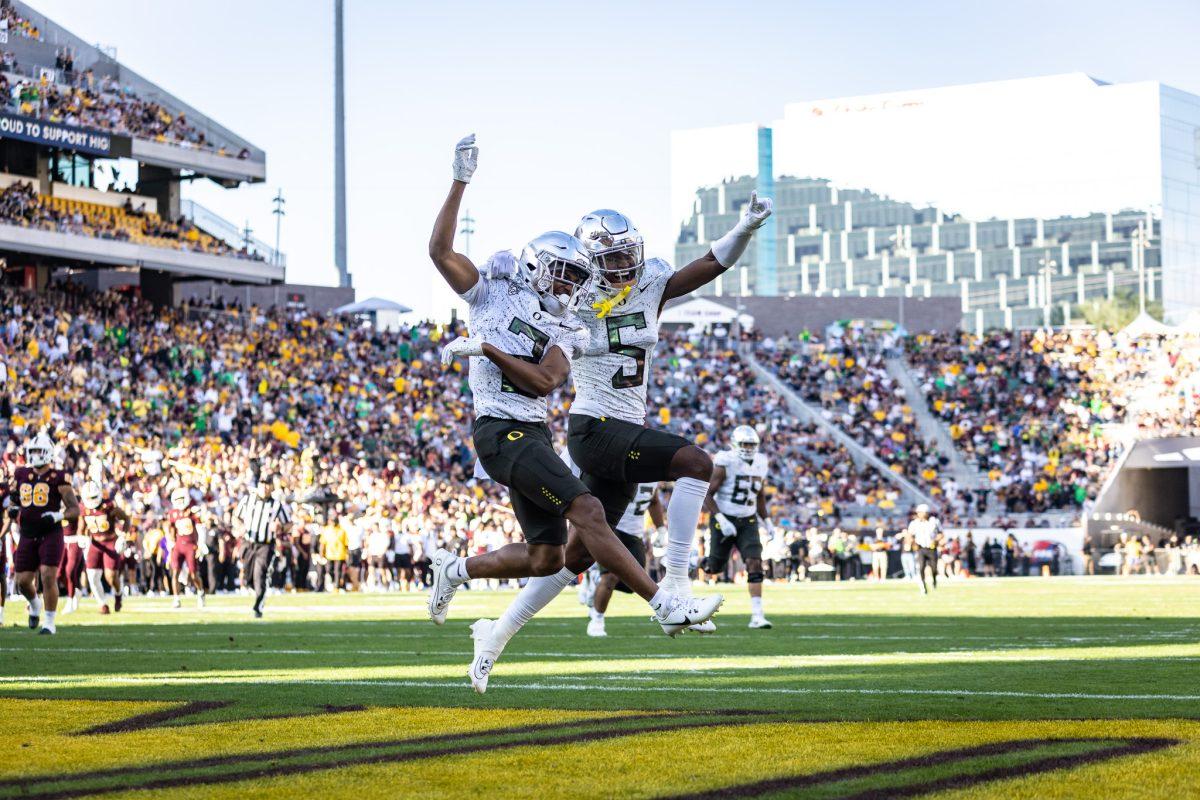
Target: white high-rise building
x: 1038, y: 148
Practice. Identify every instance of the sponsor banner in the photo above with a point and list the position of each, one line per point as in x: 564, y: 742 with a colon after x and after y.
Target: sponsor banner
x: 1045, y: 546
x: 68, y: 137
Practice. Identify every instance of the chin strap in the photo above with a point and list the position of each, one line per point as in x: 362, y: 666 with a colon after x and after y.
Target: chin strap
x: 604, y: 307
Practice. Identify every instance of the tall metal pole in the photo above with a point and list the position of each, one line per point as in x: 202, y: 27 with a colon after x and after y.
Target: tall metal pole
x: 279, y: 214
x: 1140, y: 256
x: 339, y: 150
x: 467, y: 229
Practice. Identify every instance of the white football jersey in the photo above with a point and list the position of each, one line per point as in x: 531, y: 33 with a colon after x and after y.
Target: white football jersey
x: 738, y: 494
x: 509, y: 315
x: 633, y: 521
x: 611, y: 377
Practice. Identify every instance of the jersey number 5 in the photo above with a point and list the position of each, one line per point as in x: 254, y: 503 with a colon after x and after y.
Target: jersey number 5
x: 539, y: 339
x: 637, y: 321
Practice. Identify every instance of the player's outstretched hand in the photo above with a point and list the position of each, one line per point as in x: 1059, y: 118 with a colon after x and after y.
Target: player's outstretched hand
x: 466, y: 158
x: 758, y: 211
x: 501, y: 265
x: 725, y: 526
x: 462, y: 346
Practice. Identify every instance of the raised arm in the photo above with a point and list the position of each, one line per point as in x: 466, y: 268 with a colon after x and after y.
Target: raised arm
x: 724, y: 253
x: 456, y: 268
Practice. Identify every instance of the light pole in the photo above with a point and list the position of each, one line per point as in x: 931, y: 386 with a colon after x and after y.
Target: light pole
x: 1047, y: 264
x: 246, y: 231
x: 466, y: 229
x: 1139, y: 255
x: 279, y: 215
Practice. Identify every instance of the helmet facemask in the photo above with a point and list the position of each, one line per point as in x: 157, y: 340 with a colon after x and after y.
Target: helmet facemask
x: 567, y: 283
x: 745, y: 443
x: 619, y: 266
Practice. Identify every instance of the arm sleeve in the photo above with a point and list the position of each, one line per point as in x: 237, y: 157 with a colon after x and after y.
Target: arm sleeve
x: 477, y: 293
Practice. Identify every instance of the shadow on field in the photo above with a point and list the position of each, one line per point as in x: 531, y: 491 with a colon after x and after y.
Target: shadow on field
x: 824, y: 667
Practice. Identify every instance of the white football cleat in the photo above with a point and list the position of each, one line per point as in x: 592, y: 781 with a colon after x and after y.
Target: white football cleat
x: 682, y: 587
x: 684, y: 612
x: 760, y: 622
x: 176, y: 603
x: 200, y: 600
x: 48, y: 630
x: 704, y: 628
x: 596, y: 627
x: 486, y: 654
x: 443, y: 588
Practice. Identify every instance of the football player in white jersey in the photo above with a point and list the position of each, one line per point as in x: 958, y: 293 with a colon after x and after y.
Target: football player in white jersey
x: 631, y: 530
x: 523, y: 339
x: 608, y: 437
x: 737, y: 504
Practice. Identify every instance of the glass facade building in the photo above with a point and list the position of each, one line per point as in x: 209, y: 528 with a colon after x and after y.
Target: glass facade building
x: 1017, y: 196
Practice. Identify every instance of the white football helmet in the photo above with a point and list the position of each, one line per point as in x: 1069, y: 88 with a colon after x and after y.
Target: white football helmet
x: 618, y: 250
x: 745, y: 442
x: 557, y: 266
x: 180, y: 498
x: 91, y: 495
x: 39, y: 451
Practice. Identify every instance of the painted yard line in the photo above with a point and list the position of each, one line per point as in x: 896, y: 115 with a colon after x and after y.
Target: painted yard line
x: 599, y: 687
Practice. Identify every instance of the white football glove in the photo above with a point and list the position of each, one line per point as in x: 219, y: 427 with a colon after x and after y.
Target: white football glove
x: 53, y: 516
x: 576, y: 343
x: 729, y: 248
x: 466, y: 158
x: 770, y: 526
x: 501, y: 265
x: 660, y: 536
x: 462, y: 346
x: 725, y: 525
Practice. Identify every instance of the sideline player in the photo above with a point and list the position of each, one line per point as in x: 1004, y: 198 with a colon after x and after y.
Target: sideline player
x: 45, y: 499
x: 523, y: 339
x: 184, y: 529
x: 607, y: 435
x: 926, y: 533
x: 631, y: 530
x: 99, y: 521
x: 737, y: 504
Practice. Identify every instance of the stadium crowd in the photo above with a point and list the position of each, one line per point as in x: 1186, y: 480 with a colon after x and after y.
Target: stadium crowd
x: 20, y: 204
x: 367, y: 436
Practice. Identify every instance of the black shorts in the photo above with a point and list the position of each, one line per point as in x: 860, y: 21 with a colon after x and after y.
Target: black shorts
x: 403, y: 561
x: 521, y: 456
x: 614, y: 456
x: 637, y: 548
x: 356, y: 559
x: 747, y: 541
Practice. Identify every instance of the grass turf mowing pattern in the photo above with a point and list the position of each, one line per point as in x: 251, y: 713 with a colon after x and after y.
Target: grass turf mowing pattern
x: 1011, y: 650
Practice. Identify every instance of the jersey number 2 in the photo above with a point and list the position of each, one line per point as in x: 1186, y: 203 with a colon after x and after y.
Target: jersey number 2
x: 637, y: 321
x: 539, y: 339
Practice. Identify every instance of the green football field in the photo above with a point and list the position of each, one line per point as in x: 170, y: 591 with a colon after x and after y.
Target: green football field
x: 987, y: 688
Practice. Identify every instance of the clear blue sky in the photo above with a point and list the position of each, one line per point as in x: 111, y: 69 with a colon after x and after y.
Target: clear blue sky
x: 572, y: 102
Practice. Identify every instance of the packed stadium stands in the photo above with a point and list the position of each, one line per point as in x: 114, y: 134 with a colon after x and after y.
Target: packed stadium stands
x: 369, y: 434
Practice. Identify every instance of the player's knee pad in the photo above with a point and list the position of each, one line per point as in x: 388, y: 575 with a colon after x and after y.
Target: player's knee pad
x: 754, y: 577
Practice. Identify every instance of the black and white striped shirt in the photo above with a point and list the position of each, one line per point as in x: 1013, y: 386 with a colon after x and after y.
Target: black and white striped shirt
x: 258, y: 514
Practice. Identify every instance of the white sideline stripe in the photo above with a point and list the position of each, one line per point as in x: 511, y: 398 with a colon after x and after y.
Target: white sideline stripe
x: 254, y: 651
x: 595, y: 687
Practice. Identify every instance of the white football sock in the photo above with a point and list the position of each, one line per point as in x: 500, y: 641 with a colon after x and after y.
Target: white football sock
x: 536, y: 595
x: 756, y: 606
x: 94, y: 576
x: 683, y: 514
x: 458, y: 571
x: 50, y: 618
x: 1, y: 615
x: 660, y: 604
x: 35, y: 606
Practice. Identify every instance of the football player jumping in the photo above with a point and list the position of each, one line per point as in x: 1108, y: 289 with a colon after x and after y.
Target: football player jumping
x: 524, y: 337
x: 737, y: 504
x: 44, y: 499
x: 99, y: 522
x: 607, y: 436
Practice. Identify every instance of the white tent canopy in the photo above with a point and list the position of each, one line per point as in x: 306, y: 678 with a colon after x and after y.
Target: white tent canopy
x: 1145, y: 325
x: 372, y: 304
x: 701, y: 312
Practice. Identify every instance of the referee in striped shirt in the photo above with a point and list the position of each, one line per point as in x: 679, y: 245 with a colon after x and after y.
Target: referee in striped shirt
x: 260, y: 517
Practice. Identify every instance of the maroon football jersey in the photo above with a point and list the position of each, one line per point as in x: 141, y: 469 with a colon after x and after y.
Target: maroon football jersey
x: 99, y: 522
x: 184, y: 525
x: 36, y: 494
